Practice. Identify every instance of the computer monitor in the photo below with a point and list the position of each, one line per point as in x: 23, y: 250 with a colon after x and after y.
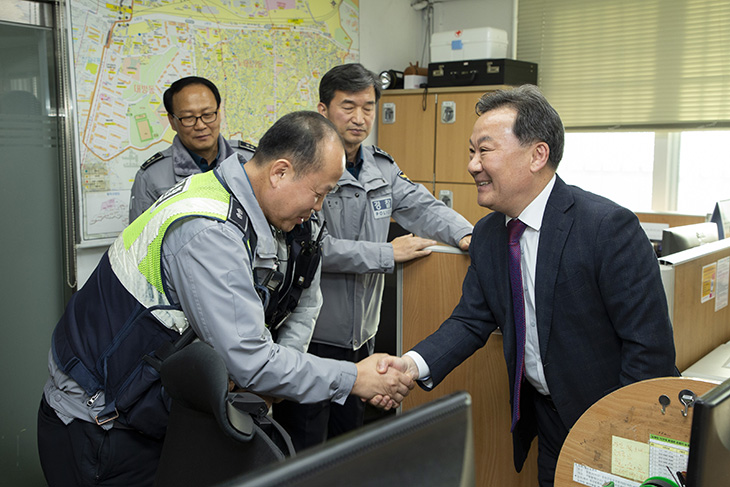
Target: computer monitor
x: 431, y: 445
x: 709, y: 445
x: 677, y: 239
x: 721, y: 217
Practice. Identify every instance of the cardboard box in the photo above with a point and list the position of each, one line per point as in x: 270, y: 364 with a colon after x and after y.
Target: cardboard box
x: 460, y: 45
x: 482, y: 72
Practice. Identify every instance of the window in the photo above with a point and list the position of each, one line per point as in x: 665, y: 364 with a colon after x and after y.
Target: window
x: 624, y: 167
x: 649, y: 64
x: 617, y: 165
x: 643, y: 89
x: 704, y: 171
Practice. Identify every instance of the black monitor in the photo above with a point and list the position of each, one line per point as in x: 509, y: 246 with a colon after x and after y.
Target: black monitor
x: 721, y: 217
x: 677, y: 239
x: 431, y: 445
x: 709, y: 445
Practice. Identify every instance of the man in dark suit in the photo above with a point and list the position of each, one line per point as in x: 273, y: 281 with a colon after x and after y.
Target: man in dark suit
x: 589, y: 314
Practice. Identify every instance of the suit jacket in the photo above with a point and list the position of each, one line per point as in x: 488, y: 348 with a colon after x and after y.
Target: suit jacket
x: 601, y: 310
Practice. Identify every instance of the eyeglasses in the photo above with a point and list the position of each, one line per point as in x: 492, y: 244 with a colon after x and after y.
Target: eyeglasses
x: 191, y: 121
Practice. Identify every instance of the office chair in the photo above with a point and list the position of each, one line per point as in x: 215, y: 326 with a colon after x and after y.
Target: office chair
x: 213, y: 435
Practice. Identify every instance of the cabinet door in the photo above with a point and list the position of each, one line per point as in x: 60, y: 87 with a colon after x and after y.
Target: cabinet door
x: 455, y: 119
x: 406, y: 131
x: 463, y: 200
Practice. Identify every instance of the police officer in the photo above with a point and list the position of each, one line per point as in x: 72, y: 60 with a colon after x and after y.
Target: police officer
x: 197, y: 258
x: 193, y: 110
x: 355, y: 251
x: 192, y: 105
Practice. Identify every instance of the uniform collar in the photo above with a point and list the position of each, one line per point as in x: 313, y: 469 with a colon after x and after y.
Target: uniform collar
x: 202, y: 163
x: 354, y: 167
x: 232, y: 171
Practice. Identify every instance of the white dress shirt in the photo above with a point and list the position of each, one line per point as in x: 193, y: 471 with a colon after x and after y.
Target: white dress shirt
x: 532, y: 217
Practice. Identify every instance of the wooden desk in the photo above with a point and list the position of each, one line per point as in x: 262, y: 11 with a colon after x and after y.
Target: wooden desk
x: 672, y: 219
x: 632, y: 412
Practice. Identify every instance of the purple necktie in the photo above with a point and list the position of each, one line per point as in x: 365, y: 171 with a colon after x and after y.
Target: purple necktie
x: 515, y: 229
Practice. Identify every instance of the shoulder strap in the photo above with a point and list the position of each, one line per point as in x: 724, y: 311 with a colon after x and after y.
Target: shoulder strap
x: 157, y: 157
x: 382, y: 153
x: 240, y: 144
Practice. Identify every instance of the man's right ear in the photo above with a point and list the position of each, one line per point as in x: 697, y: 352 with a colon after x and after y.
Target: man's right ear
x: 279, y: 169
x: 171, y: 120
x: 322, y: 109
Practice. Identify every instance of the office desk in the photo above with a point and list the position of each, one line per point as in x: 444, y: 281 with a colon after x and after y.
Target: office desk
x: 632, y: 413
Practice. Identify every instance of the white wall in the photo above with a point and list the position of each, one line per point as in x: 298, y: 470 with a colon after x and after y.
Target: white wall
x: 468, y: 14
x: 392, y: 35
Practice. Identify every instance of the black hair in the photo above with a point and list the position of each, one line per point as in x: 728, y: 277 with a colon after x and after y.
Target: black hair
x: 178, y: 85
x: 349, y: 78
x: 536, y: 119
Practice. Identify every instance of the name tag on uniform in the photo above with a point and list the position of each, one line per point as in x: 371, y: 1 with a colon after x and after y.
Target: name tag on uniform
x: 382, y: 207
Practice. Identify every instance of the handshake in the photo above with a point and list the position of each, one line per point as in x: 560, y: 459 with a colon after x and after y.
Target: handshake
x: 384, y: 380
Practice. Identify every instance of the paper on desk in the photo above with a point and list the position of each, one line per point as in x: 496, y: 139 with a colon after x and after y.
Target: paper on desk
x: 667, y: 456
x: 709, y: 282
x: 596, y: 478
x: 723, y: 271
x: 630, y: 458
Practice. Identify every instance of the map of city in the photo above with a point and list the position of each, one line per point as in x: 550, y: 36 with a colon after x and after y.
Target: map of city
x: 265, y: 56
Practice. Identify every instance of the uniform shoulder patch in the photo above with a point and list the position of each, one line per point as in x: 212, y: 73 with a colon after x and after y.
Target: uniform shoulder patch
x: 239, y: 144
x: 237, y: 216
x: 403, y: 176
x: 381, y: 152
x: 157, y: 157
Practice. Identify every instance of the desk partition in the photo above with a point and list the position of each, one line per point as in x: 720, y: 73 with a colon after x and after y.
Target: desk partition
x: 696, y: 284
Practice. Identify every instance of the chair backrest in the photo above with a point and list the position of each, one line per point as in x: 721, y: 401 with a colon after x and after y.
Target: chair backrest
x: 212, y: 435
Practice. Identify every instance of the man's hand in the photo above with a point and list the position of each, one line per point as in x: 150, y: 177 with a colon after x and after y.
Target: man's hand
x: 389, y: 384
x: 409, y: 247
x: 405, y: 364
x: 465, y: 242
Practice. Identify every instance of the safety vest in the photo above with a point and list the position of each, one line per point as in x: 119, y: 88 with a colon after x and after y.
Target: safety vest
x: 121, y: 322
x: 121, y: 315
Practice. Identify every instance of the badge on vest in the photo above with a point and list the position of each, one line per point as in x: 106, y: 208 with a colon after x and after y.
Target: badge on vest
x: 382, y: 207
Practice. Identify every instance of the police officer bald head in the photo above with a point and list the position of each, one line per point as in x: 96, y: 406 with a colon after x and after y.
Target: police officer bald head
x: 298, y: 161
x: 348, y: 95
x: 192, y: 105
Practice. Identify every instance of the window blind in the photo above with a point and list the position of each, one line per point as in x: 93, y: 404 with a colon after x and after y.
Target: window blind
x: 630, y: 63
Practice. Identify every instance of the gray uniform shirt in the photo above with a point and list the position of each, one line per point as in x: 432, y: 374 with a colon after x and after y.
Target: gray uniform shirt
x: 163, y: 170
x: 355, y: 251
x: 216, y: 292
